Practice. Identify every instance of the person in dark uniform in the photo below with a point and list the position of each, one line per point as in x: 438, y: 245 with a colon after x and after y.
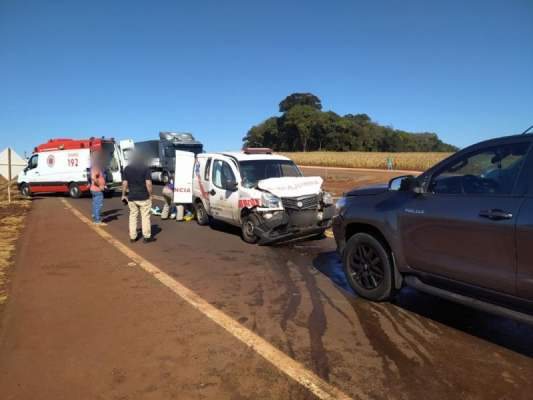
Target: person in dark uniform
x: 137, y: 192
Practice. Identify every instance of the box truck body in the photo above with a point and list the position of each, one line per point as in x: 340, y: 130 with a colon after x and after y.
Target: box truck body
x: 160, y: 154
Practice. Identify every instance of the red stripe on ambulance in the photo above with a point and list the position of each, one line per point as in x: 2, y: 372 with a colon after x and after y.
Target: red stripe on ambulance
x: 249, y: 203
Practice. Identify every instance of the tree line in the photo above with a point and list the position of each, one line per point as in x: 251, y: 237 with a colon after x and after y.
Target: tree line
x: 303, y: 126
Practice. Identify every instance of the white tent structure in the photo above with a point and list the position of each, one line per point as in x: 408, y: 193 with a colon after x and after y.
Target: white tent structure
x: 17, y: 163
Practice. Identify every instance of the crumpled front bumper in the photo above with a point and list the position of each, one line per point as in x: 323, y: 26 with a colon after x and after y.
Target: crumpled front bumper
x: 286, y: 225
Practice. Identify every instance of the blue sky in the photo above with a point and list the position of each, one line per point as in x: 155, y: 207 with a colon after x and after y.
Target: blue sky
x: 128, y: 69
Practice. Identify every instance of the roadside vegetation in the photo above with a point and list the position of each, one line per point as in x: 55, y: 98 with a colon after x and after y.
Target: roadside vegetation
x: 12, y: 216
x: 303, y: 126
x: 412, y: 161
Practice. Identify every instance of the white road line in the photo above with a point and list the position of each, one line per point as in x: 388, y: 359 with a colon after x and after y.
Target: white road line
x: 320, y: 388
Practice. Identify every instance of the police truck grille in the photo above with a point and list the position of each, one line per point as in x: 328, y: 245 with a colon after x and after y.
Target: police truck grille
x: 301, y: 203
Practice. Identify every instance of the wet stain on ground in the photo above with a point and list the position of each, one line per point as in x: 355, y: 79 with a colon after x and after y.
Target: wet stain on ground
x: 317, y: 325
x: 290, y: 297
x: 505, y: 332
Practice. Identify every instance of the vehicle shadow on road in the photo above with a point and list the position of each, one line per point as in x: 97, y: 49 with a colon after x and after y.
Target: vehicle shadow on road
x: 505, y: 332
x: 42, y: 196
x: 221, y: 226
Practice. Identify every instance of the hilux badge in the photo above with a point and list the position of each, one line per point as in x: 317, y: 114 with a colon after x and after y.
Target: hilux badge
x: 414, y: 211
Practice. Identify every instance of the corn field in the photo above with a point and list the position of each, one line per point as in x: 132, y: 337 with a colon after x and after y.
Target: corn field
x: 372, y: 160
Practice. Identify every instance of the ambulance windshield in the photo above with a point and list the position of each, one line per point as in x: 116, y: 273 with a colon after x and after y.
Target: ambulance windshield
x: 257, y: 170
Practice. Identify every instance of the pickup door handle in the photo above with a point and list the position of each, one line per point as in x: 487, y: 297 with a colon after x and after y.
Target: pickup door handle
x: 495, y: 214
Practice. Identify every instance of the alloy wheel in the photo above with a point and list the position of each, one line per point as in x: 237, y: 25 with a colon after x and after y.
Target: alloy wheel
x: 366, y: 267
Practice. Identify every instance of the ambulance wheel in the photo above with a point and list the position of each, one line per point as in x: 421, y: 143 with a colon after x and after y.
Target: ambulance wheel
x: 25, y: 190
x: 201, y: 215
x: 74, y: 190
x: 248, y: 226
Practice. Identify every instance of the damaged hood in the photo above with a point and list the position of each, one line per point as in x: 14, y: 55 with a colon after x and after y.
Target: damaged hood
x: 292, y: 186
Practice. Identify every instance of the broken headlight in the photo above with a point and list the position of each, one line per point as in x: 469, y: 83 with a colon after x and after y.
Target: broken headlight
x: 327, y: 199
x: 268, y: 200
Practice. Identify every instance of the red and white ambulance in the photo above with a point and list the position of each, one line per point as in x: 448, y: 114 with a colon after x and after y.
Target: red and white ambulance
x: 62, y: 166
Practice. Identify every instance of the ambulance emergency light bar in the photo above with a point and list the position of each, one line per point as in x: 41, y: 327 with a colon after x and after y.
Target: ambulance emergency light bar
x: 257, y: 150
x: 73, y: 144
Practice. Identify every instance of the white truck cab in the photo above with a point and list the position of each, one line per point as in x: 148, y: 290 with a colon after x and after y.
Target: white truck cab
x: 125, y: 148
x: 263, y: 193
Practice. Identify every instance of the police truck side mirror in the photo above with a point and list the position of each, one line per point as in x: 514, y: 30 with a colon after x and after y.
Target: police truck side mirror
x: 405, y: 183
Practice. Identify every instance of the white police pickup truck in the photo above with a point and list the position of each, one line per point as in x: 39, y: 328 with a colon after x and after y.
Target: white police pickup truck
x: 263, y: 193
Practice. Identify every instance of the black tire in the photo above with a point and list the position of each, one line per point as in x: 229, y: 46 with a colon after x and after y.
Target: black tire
x: 248, y: 224
x: 25, y: 190
x: 202, y: 218
x: 74, y: 191
x: 368, y: 267
x: 108, y: 194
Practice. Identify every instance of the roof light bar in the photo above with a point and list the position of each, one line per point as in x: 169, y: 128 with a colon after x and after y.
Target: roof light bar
x: 257, y: 150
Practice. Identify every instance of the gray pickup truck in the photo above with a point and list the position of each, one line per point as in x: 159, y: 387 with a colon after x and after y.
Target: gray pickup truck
x: 463, y: 230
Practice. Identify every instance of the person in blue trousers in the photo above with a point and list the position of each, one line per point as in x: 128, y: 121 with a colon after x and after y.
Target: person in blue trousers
x: 97, y: 191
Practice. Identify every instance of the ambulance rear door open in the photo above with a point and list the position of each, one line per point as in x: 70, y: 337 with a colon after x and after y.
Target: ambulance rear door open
x: 183, y: 177
x: 117, y: 164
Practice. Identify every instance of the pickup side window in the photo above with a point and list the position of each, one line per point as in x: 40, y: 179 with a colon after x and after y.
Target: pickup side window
x: 222, y: 173
x: 32, y: 163
x: 489, y: 171
x: 207, y: 169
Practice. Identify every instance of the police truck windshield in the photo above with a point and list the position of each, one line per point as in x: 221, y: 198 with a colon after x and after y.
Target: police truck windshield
x: 257, y: 170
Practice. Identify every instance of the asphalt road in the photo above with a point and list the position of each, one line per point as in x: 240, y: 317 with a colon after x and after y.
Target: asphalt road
x: 295, y: 296
x: 292, y: 295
